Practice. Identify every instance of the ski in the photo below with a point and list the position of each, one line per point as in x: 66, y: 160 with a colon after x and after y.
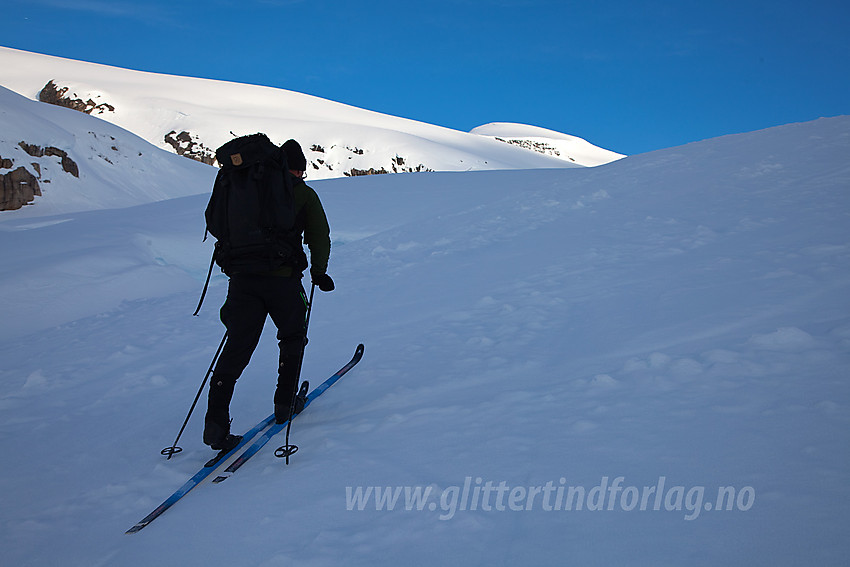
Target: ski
x: 199, y: 477
x: 211, y: 465
x: 278, y: 427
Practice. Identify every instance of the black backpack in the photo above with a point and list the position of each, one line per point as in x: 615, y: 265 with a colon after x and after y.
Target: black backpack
x: 251, y: 212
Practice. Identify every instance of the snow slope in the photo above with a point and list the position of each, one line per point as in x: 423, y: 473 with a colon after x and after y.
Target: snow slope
x: 653, y: 329
x: 116, y: 168
x: 337, y: 138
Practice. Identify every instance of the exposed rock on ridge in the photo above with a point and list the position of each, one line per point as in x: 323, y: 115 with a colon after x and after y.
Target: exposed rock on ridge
x: 539, y: 147
x: 187, y: 145
x: 53, y: 94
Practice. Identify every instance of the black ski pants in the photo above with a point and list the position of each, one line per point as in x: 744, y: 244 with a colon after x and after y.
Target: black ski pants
x: 250, y: 298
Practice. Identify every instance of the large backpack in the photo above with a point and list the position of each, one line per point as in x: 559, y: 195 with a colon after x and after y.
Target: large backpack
x: 251, y: 212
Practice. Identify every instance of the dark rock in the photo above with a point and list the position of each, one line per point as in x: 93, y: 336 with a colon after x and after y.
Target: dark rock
x: 17, y: 188
x: 539, y: 147
x: 354, y: 172
x: 68, y: 165
x: 189, y: 146
x: 51, y: 151
x: 53, y: 94
x: 32, y: 149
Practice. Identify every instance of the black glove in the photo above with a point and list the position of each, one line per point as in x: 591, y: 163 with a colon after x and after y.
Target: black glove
x: 323, y: 281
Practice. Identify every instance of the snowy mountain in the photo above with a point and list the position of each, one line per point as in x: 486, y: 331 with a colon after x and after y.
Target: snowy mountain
x: 194, y: 116
x: 70, y: 162
x: 643, y: 363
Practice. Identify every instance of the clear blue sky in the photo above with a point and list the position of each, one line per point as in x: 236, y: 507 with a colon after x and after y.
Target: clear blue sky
x: 630, y: 76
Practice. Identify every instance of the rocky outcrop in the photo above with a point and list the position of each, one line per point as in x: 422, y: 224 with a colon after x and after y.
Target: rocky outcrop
x: 190, y: 146
x: 20, y: 186
x: 533, y: 145
x: 354, y: 172
x: 398, y: 166
x: 68, y: 165
x: 53, y: 94
x: 17, y: 188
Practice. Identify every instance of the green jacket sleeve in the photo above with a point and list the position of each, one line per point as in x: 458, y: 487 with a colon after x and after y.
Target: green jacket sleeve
x: 317, y: 233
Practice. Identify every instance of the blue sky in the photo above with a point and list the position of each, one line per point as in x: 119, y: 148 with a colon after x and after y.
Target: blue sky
x: 628, y: 76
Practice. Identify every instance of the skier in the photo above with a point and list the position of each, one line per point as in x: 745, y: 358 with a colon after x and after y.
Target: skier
x: 279, y: 294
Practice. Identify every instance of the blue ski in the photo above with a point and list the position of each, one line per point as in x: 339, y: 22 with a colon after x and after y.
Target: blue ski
x: 211, y: 466
x: 278, y: 427
x: 199, y: 477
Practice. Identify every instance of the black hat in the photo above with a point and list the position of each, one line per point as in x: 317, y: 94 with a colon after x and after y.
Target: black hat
x: 294, y: 156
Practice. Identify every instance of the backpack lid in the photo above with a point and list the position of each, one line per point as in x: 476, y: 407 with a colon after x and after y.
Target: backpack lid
x: 248, y: 150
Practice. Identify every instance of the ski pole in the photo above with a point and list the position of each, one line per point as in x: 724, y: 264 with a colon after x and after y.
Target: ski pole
x: 174, y: 448
x: 288, y: 449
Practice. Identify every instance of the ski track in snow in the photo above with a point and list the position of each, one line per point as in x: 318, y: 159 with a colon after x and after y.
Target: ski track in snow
x: 681, y: 314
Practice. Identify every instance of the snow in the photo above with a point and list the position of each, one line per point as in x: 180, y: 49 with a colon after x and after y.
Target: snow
x: 646, y: 331
x: 570, y: 148
x: 336, y: 138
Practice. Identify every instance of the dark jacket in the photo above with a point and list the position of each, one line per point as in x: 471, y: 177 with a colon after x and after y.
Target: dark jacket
x: 310, y: 220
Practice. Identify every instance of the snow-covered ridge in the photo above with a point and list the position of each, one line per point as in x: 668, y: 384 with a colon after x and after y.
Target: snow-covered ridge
x: 196, y: 116
x: 548, y: 142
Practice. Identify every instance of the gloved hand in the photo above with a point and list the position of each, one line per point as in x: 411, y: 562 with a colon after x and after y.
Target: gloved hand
x: 322, y: 281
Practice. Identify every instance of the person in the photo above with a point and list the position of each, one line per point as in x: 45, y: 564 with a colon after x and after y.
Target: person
x: 280, y: 295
